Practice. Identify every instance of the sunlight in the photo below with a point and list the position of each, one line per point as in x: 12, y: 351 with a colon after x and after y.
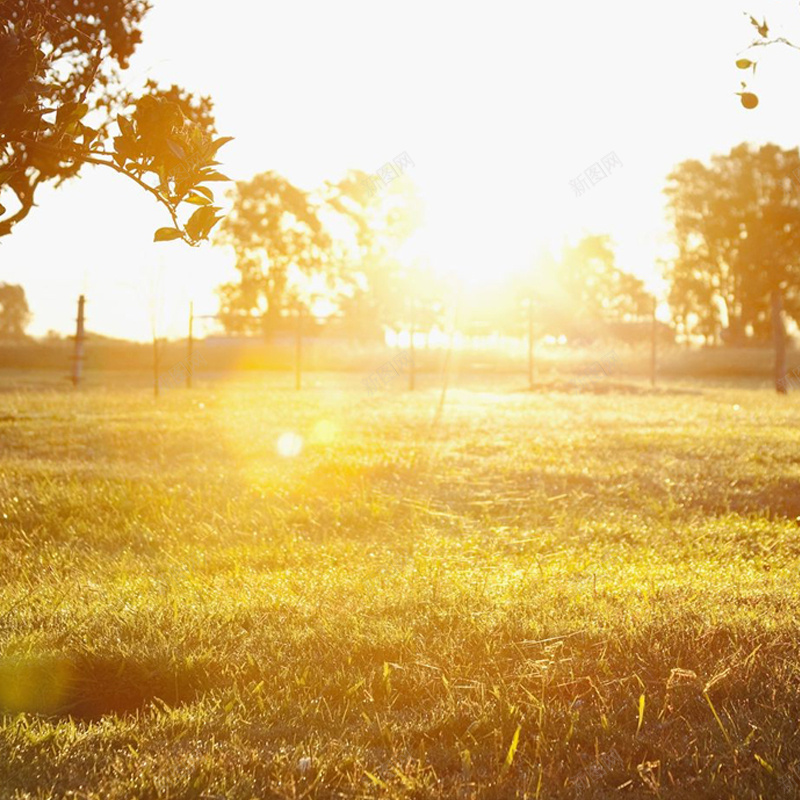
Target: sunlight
x: 324, y: 432
x: 464, y: 248
x: 289, y: 444
x: 422, y: 425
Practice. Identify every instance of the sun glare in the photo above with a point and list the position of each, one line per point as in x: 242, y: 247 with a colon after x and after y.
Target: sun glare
x: 423, y: 424
x: 324, y: 432
x: 289, y: 444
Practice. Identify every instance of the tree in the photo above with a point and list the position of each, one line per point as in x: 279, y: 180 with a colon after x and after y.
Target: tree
x: 378, y: 288
x: 14, y: 312
x: 581, y: 292
x: 597, y: 287
x: 737, y: 232
x: 60, y: 62
x: 339, y: 242
x: 278, y: 237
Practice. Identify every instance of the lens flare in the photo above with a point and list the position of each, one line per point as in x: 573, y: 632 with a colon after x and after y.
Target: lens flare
x: 290, y: 444
x: 324, y: 432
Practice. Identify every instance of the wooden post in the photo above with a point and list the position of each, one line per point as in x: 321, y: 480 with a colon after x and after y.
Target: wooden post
x: 80, y: 335
x: 155, y: 366
x: 412, y: 367
x: 653, y: 345
x: 298, y: 348
x: 779, y: 340
x: 190, y: 347
x: 531, y: 365
x: 448, y: 359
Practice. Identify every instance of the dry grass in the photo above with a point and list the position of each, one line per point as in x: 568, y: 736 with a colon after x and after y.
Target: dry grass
x: 551, y: 595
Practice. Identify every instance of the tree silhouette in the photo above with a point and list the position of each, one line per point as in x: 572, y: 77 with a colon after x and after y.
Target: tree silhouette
x: 278, y: 237
x: 60, y: 63
x: 14, y: 312
x: 579, y: 293
x: 380, y: 290
x: 596, y: 286
x: 737, y: 231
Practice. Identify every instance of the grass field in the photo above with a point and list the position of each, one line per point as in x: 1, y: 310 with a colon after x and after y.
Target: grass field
x: 547, y: 595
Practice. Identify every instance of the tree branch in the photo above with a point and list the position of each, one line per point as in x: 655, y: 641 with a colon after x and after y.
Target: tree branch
x: 95, y: 157
x: 26, y: 204
x: 92, y: 159
x: 779, y: 40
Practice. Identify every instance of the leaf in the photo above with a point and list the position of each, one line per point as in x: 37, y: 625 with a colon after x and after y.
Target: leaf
x: 161, y: 171
x: 215, y: 145
x: 6, y: 175
x: 205, y: 191
x: 404, y: 779
x: 176, y: 149
x: 749, y: 100
x: 197, y: 200
x: 512, y: 750
x: 71, y: 112
x: 767, y: 766
x: 201, y: 222
x: 716, y: 717
x: 762, y: 28
x: 745, y: 63
x: 2, y: 209
x: 125, y: 126
x: 124, y: 146
x: 89, y: 134
x: 63, y: 112
x: 641, y: 713
x: 167, y: 235
x: 213, y: 175
x: 376, y: 780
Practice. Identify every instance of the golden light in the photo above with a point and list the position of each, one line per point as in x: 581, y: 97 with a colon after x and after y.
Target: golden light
x: 324, y: 432
x: 463, y: 247
x: 289, y: 444
x: 35, y: 685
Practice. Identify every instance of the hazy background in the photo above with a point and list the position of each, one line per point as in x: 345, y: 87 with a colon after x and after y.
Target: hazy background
x: 499, y: 107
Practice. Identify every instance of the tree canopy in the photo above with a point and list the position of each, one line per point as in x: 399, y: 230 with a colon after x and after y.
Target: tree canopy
x: 293, y: 246
x: 276, y: 233
x: 61, y: 107
x: 737, y: 232
x: 14, y: 312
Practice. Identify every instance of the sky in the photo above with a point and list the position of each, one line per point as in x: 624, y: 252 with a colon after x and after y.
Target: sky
x: 499, y: 105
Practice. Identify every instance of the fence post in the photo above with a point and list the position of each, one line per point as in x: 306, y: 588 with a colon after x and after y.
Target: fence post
x: 190, y: 347
x: 298, y: 348
x: 80, y: 336
x: 412, y: 367
x: 653, y: 345
x: 156, y: 358
x: 531, y: 364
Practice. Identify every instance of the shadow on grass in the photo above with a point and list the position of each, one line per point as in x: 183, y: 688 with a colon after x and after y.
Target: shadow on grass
x: 87, y: 687
x: 778, y: 499
x: 535, y: 496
